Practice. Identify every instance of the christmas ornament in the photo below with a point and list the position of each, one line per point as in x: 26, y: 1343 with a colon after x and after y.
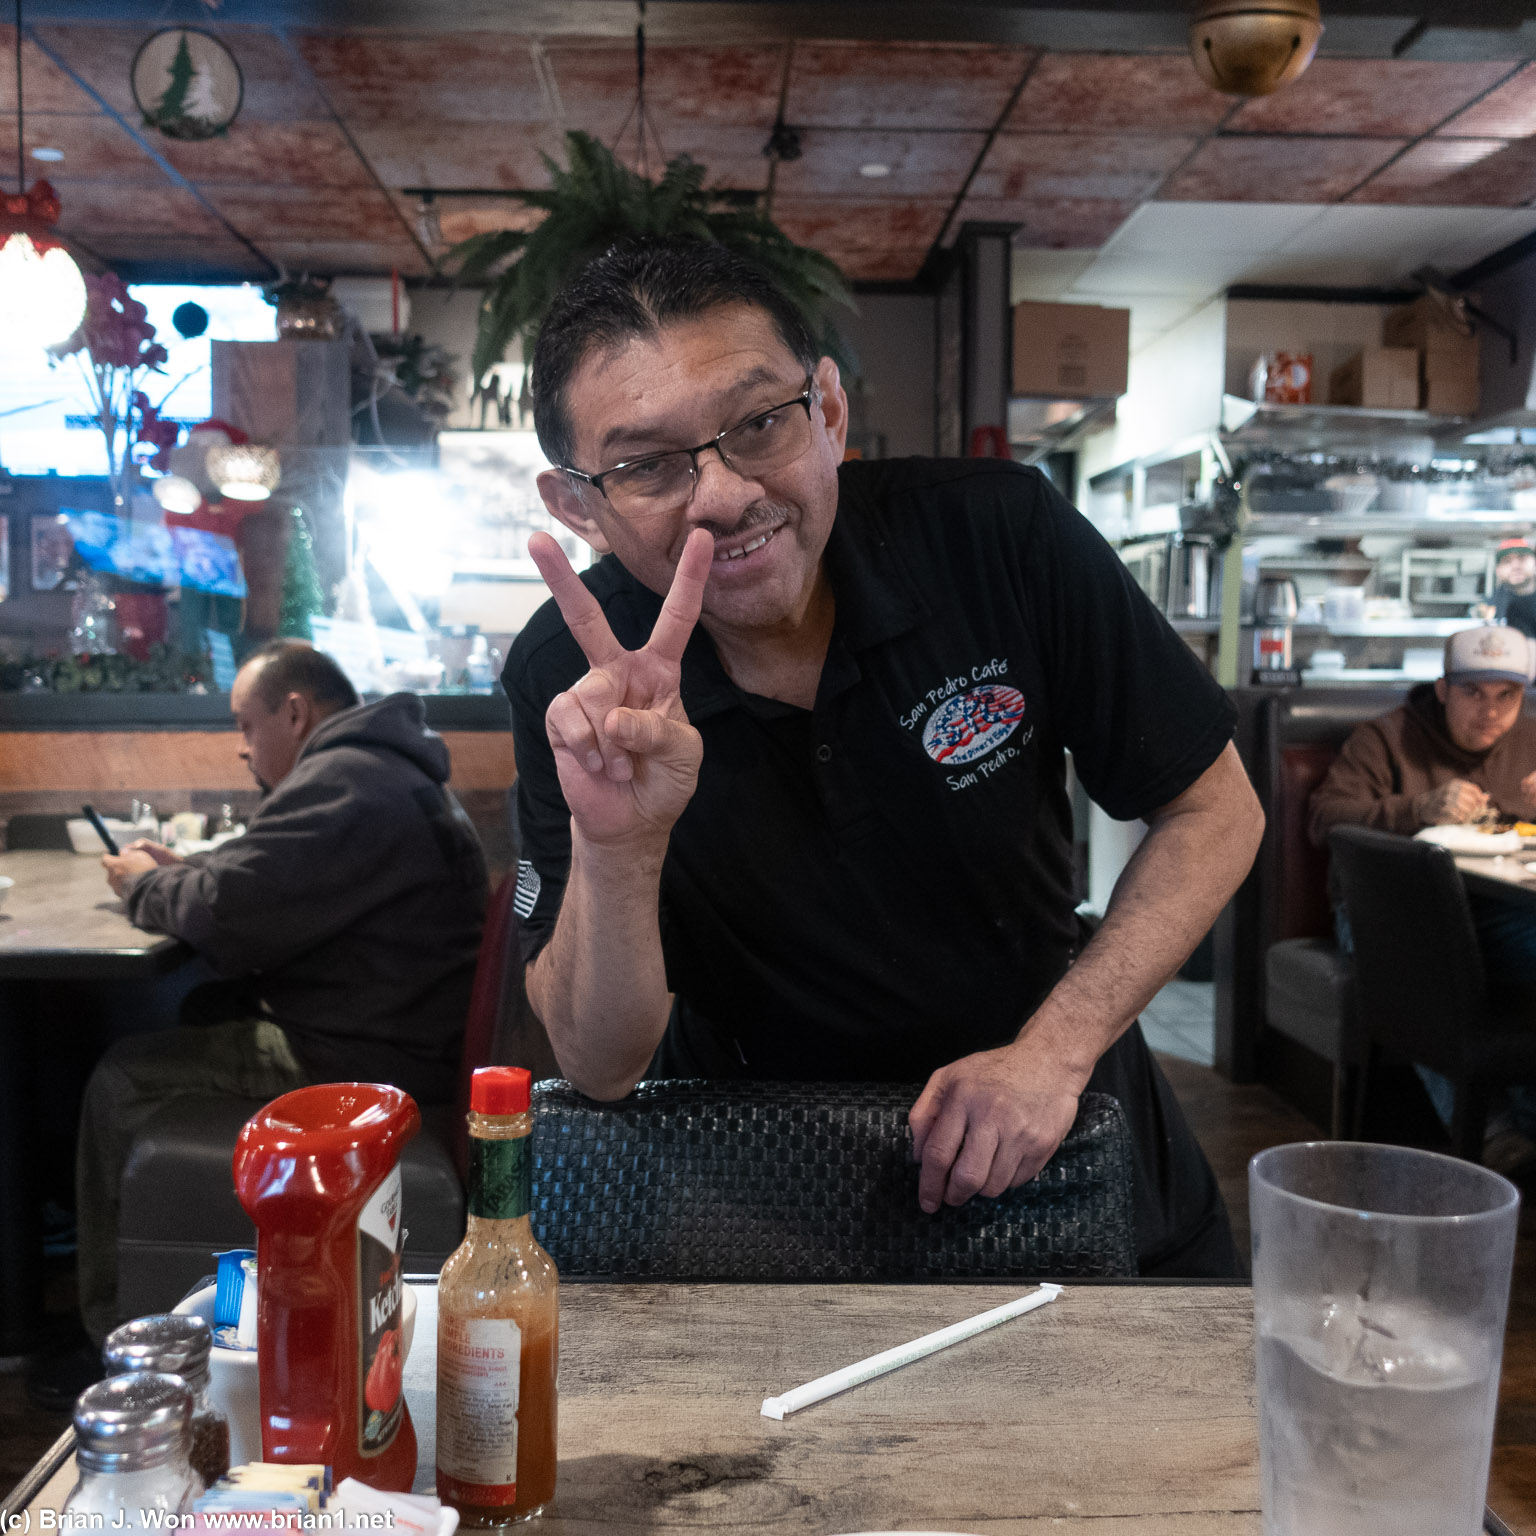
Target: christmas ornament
x: 187, y: 84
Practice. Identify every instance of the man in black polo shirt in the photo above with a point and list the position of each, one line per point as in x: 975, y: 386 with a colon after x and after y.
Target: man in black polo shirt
x: 817, y: 794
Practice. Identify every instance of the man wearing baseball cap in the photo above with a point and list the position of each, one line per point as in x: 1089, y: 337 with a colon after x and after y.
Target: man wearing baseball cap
x: 1514, y: 591
x: 1456, y: 750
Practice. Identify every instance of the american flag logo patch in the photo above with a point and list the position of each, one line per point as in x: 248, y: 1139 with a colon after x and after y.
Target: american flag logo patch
x: 972, y: 724
x: 528, y: 887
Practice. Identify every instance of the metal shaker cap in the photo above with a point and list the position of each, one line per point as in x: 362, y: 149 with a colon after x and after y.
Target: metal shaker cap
x: 134, y: 1422
x: 165, y: 1341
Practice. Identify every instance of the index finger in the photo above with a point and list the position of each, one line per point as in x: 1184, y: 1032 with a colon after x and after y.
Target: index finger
x: 685, y: 598
x: 582, y: 612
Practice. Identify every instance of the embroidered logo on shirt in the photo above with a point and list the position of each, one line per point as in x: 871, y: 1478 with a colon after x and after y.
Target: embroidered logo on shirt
x: 528, y: 887
x: 973, y: 723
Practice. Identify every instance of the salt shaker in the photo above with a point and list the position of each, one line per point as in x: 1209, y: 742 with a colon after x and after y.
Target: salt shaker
x: 179, y: 1345
x: 132, y: 1438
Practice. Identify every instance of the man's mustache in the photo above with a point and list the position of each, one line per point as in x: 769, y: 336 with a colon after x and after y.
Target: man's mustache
x: 761, y: 514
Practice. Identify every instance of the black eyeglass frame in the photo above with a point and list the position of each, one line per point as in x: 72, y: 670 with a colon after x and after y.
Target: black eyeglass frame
x: 807, y: 397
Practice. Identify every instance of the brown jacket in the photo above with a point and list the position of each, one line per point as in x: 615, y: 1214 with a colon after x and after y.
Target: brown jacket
x: 1389, y: 762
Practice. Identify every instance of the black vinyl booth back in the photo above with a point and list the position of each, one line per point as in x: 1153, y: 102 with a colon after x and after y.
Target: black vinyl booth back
x: 697, y: 1181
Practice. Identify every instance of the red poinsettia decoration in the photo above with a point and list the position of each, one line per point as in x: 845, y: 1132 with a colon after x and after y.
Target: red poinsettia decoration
x: 116, y: 329
x: 114, y: 346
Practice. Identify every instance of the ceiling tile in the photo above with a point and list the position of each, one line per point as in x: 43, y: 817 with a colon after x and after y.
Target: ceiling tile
x: 1116, y: 277
x: 45, y: 87
x: 1484, y: 231
x: 1045, y: 275
x: 1153, y: 93
x: 731, y: 156
x: 1395, y: 97
x: 1507, y: 112
x: 92, y: 147
x: 359, y: 256
x: 882, y: 266
x: 1351, y: 229
x: 96, y: 208
x: 847, y: 225
x: 895, y: 85
x: 596, y: 82
x: 1050, y: 166
x: 276, y: 85
x: 457, y: 154
x: 921, y: 164
x: 1476, y: 172
x: 1170, y: 228
x: 452, y: 77
x: 1050, y: 223
x: 461, y: 220
x: 254, y: 153
x: 1269, y: 170
x: 302, y: 213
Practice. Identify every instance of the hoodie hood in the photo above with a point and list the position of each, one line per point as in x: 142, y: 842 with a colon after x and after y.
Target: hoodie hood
x: 397, y: 724
x: 1428, y: 714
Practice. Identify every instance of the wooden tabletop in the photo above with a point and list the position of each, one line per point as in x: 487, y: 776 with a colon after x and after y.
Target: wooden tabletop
x: 60, y: 919
x: 1131, y: 1404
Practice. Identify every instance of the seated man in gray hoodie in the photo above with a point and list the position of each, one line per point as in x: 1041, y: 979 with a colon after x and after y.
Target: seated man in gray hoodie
x: 350, y: 911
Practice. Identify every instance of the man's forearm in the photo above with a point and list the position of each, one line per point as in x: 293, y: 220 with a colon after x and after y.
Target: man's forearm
x: 599, y: 986
x: 1194, y: 856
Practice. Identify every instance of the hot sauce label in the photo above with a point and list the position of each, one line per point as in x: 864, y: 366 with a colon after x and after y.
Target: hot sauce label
x: 380, y: 1362
x: 500, y: 1177
x: 479, y: 1360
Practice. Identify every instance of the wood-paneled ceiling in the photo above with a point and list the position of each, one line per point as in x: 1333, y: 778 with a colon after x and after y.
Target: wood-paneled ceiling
x: 1063, y: 143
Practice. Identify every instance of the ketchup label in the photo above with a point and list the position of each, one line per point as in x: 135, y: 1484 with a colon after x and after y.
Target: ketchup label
x: 380, y: 1360
x: 478, y: 1366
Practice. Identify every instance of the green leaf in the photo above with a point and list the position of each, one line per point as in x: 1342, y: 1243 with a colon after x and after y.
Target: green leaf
x: 594, y: 201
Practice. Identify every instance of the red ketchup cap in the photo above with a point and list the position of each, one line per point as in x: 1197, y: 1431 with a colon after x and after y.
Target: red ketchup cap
x: 500, y: 1091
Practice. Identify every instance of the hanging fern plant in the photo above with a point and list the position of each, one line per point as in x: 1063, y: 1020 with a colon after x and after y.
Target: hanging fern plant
x: 597, y: 202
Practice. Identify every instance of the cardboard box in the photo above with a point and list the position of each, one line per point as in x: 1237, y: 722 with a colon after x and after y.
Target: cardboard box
x: 1426, y: 325
x: 1452, y: 391
x: 1383, y: 378
x: 1080, y: 351
x: 1448, y: 370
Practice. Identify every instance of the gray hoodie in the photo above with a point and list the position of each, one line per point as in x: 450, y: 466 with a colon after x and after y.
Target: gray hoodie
x: 354, y: 902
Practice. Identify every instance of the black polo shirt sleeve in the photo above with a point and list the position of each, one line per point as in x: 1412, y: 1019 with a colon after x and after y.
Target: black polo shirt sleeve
x: 544, y: 654
x: 1141, y: 715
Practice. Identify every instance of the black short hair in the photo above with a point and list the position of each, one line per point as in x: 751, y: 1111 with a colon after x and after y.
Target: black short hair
x: 634, y: 289
x: 295, y: 666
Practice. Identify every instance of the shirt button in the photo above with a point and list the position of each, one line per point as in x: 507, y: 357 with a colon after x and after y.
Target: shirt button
x: 823, y: 753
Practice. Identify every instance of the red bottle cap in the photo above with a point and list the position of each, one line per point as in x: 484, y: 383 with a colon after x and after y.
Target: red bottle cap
x: 500, y: 1091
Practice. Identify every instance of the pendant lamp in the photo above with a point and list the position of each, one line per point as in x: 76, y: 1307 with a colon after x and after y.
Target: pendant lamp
x: 42, y: 294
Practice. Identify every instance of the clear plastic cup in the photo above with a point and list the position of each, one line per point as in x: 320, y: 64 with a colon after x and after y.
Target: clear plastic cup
x: 1380, y: 1283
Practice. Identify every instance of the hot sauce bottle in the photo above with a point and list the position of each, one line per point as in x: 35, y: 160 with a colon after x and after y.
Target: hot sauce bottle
x: 497, y: 1325
x: 318, y: 1172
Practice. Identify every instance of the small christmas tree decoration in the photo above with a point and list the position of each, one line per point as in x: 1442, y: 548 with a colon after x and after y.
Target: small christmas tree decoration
x: 187, y: 84
x: 302, y: 598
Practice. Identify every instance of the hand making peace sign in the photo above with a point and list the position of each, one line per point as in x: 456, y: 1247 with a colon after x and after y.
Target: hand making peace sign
x: 627, y: 757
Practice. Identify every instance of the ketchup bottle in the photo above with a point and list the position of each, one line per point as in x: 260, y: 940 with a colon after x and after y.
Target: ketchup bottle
x: 317, y: 1171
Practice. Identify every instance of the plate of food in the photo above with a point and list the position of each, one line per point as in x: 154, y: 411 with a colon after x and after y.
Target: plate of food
x: 1490, y: 840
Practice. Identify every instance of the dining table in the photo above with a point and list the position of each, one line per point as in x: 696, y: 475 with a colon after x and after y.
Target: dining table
x: 59, y: 921
x: 1507, y: 877
x: 1116, y: 1408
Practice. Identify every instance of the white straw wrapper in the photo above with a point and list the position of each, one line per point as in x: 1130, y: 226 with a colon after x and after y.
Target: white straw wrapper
x: 904, y: 1354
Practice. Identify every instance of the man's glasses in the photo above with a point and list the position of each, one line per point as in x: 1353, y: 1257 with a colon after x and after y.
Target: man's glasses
x: 662, y: 482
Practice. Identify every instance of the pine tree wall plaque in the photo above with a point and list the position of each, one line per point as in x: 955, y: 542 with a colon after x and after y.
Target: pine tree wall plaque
x: 187, y: 84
